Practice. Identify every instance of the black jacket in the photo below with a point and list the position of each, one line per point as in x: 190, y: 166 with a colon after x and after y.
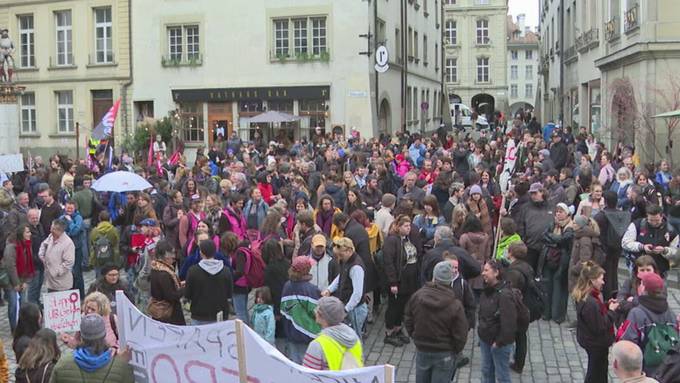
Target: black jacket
x: 559, y: 154
x: 497, y: 315
x: 518, y: 275
x: 359, y: 236
x: 594, y: 329
x: 204, y: 305
x: 398, y: 273
x: 534, y: 218
x: 275, y: 276
x: 436, y: 320
x: 163, y: 288
x: 468, y: 266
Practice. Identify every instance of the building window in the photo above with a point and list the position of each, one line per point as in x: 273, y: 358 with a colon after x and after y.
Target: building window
x: 184, y: 43
x: 281, y: 43
x: 380, y: 32
x: 513, y: 72
x: 425, y: 49
x: 451, y: 70
x: 64, y: 42
x: 483, y: 31
x: 65, y: 111
x: 482, y: 2
x: 193, y: 44
x: 300, y: 36
x: 529, y: 72
x: 529, y: 54
x: 316, y: 110
x: 415, y: 45
x: 528, y: 91
x: 513, y: 90
x: 397, y: 43
x: 175, y: 43
x: 436, y: 57
x: 450, y: 33
x: 27, y: 38
x: 102, y: 33
x: 192, y: 122
x: 409, y: 112
x: 409, y: 42
x: 318, y: 35
x: 514, y: 55
x: 483, y: 69
x: 28, y: 113
x: 450, y: 2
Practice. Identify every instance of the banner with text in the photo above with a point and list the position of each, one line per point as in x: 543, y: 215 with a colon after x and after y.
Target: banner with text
x: 226, y: 351
x: 10, y: 163
x: 62, y: 311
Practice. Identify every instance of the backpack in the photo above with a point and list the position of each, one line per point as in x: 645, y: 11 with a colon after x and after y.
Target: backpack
x: 103, y: 251
x: 618, y: 223
x: 534, y: 298
x: 659, y: 339
x: 669, y: 370
x: 523, y: 314
x: 253, y: 273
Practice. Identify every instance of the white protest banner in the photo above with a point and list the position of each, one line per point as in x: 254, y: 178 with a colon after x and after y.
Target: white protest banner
x: 221, y: 352
x: 10, y: 163
x: 62, y: 311
x: 508, y: 165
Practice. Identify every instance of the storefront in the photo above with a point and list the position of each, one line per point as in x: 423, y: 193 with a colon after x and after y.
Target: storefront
x: 207, y: 113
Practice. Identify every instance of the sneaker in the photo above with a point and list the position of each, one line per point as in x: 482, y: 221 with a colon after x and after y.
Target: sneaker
x: 462, y: 362
x: 402, y: 337
x: 514, y: 367
x: 392, y: 340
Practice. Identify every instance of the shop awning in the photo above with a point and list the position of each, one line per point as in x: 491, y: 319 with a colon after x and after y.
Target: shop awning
x: 273, y: 117
x: 673, y: 114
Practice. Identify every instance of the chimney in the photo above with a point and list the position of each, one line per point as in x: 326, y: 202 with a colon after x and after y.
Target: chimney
x: 521, y: 21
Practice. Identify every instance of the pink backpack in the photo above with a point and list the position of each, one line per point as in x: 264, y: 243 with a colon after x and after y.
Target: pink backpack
x: 238, y: 224
x: 253, y: 272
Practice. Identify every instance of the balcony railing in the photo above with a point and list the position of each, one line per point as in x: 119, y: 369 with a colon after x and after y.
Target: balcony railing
x: 570, y: 54
x: 587, y: 40
x: 611, y: 29
x: 632, y: 21
x: 482, y: 41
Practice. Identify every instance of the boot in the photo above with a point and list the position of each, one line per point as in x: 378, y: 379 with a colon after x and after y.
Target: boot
x: 2, y: 73
x: 392, y: 339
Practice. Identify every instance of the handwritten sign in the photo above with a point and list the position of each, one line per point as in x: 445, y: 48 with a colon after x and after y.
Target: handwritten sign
x: 221, y: 352
x: 10, y: 163
x: 62, y: 311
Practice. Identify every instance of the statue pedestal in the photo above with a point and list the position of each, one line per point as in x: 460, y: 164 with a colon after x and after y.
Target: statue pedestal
x: 9, y: 118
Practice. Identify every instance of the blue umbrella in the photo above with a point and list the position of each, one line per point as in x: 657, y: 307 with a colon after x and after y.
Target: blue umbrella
x: 120, y: 181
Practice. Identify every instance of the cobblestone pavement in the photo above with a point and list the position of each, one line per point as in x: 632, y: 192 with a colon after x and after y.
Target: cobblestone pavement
x: 554, y: 356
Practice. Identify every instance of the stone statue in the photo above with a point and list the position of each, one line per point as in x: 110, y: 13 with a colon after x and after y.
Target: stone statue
x: 6, y: 60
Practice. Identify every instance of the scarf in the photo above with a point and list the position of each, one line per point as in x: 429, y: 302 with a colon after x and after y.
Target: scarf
x: 598, y: 298
x: 88, y: 362
x: 164, y: 267
x: 25, y: 266
x: 561, y: 225
x: 325, y: 220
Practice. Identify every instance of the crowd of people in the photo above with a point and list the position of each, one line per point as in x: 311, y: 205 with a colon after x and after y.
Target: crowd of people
x: 420, y: 226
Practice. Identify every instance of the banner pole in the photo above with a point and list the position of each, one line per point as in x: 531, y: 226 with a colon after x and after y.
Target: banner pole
x: 389, y: 373
x: 498, y: 230
x: 241, y: 352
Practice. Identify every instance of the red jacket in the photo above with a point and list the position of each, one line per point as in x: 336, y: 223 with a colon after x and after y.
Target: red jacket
x: 267, y: 192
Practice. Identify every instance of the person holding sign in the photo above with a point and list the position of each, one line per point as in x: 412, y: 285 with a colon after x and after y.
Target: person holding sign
x: 92, y: 360
x: 58, y: 254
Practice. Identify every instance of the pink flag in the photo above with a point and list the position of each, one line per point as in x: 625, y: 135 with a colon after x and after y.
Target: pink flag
x: 105, y: 127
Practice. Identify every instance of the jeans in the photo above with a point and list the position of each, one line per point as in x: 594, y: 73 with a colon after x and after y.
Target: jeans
x: 394, y: 313
x: 557, y: 292
x: 87, y: 228
x: 196, y: 322
x: 357, y: 318
x: 598, y: 363
x: 435, y: 367
x: 35, y: 286
x: 13, y: 305
x: 241, y: 307
x: 78, y: 282
x: 296, y: 351
x: 495, y: 363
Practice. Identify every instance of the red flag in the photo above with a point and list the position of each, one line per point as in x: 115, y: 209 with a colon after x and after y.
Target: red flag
x: 105, y: 127
x: 149, y: 159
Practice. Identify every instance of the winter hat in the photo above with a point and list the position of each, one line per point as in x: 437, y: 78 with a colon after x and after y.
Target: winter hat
x: 652, y: 281
x: 443, y: 272
x: 581, y: 221
x: 92, y: 327
x: 302, y: 265
x: 563, y: 206
x: 544, y: 152
x: 331, y: 310
x: 475, y: 189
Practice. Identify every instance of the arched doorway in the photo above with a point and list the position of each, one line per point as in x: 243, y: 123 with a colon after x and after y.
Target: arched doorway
x: 384, y: 115
x: 624, y: 111
x: 483, y: 104
x: 520, y: 108
x: 455, y: 99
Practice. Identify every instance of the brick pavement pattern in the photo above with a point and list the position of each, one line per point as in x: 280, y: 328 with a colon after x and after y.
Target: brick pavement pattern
x: 554, y: 355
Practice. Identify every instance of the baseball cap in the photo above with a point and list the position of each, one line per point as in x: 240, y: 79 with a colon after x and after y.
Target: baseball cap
x: 652, y: 281
x: 319, y: 240
x: 536, y: 187
x: 148, y: 222
x: 344, y: 242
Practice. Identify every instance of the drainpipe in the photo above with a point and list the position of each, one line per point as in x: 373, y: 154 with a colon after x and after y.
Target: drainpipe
x: 562, y: 90
x: 403, y: 65
x: 375, y: 49
x: 126, y: 85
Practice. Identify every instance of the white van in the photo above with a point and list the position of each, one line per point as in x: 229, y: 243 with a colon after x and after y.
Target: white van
x: 466, y: 116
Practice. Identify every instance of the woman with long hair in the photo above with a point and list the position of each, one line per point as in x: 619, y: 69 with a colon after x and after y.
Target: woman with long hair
x: 479, y: 207
x: 144, y: 209
x: 166, y: 289
x: 30, y: 321
x: 595, y: 321
x: 275, y: 276
x: 353, y: 202
x: 557, y: 241
x: 478, y: 244
x: 215, y: 214
x: 271, y: 226
x: 18, y: 262
x: 428, y: 221
x: 41, y: 355
x: 97, y: 303
x: 231, y: 247
x: 323, y: 216
x: 458, y: 216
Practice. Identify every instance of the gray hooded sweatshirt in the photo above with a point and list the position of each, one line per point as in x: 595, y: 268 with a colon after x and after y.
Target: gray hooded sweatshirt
x: 341, y: 333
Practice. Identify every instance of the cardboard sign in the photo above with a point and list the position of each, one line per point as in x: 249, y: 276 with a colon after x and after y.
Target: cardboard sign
x: 62, y: 311
x: 10, y: 163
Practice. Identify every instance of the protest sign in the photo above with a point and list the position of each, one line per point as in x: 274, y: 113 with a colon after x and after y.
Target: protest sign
x: 62, y: 311
x: 221, y: 352
x: 10, y: 163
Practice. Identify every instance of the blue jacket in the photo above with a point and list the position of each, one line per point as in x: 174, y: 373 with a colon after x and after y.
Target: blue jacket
x: 116, y: 201
x: 75, y: 228
x: 621, y: 193
x: 263, y: 321
x: 195, y: 257
x: 302, y: 288
x: 261, y: 211
x: 427, y: 225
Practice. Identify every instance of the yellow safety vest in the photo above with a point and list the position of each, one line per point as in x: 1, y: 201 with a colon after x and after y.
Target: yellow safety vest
x: 335, y: 352
x: 92, y: 146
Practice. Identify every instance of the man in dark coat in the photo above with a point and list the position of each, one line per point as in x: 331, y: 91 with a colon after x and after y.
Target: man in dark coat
x: 518, y: 275
x: 443, y: 242
x: 559, y: 153
x: 359, y: 236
